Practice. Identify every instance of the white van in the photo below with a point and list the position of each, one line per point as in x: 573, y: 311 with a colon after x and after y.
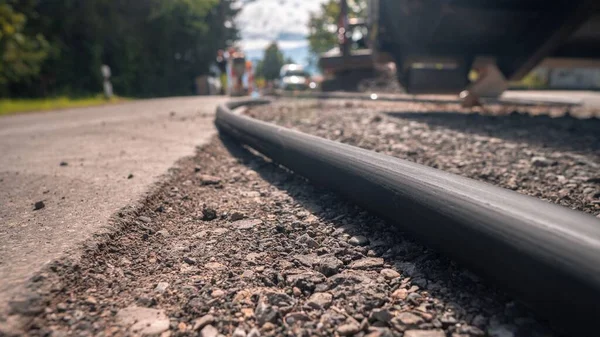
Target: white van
x: 293, y: 77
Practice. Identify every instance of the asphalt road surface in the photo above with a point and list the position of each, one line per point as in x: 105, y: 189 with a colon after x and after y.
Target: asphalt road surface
x: 84, y: 165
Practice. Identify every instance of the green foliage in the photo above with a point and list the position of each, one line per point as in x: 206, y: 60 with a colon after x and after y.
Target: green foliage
x: 21, y: 54
x: 271, y: 64
x: 154, y: 47
x: 12, y: 106
x: 323, y: 24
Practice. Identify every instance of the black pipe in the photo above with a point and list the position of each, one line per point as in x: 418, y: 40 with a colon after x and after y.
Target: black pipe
x: 545, y: 254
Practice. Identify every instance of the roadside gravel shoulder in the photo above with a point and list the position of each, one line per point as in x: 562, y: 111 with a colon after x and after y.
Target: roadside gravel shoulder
x: 235, y: 245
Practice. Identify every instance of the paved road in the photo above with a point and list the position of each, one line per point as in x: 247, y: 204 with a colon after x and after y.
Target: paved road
x: 102, y: 147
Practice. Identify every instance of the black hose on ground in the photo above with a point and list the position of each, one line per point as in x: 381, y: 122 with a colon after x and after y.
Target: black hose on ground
x: 547, y: 255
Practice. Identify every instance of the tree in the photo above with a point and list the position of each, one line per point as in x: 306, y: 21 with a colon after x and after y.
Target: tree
x: 323, y: 25
x: 270, y: 66
x: 154, y: 47
x: 21, y: 54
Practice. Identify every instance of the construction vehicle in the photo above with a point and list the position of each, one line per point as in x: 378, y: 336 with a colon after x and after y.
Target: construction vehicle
x: 437, y: 44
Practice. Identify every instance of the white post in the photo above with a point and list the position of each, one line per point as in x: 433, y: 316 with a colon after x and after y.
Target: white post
x: 108, y: 90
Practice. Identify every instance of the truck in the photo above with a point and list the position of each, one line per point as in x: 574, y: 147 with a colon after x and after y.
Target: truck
x: 471, y: 48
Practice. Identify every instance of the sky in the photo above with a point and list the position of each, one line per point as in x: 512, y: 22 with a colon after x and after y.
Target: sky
x: 262, y: 21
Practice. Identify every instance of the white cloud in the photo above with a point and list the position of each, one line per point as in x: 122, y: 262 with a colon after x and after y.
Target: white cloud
x: 261, y: 44
x: 282, y: 20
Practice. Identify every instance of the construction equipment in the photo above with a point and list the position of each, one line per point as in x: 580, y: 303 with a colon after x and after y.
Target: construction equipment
x: 436, y: 44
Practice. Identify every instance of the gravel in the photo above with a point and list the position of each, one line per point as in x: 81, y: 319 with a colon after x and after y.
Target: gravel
x: 258, y: 251
x: 539, y: 151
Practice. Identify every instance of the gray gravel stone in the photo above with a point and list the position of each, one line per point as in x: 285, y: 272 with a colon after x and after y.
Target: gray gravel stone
x: 161, y: 287
x: 381, y: 315
x: 254, y: 332
x: 239, y: 332
x: 307, y: 240
x: 541, y: 162
x: 320, y: 300
x: 389, y: 274
x: 265, y: 313
x: 367, y: 263
x: 209, y: 331
x: 409, y: 319
x: 206, y: 179
x: 348, y: 329
x: 203, y: 321
x: 358, y: 240
x: 189, y: 260
x: 144, y: 219
x: 246, y: 224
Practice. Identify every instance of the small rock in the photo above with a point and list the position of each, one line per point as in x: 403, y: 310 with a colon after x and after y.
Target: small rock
x: 424, y: 333
x: 214, y: 266
x: 307, y: 240
x: 400, y: 294
x: 268, y: 326
x: 144, y: 219
x: 163, y: 233
x: 328, y: 265
x: 204, y: 321
x: 246, y: 224
x: 358, y: 240
x: 235, y: 216
x: 217, y: 293
x: 348, y: 329
x: 197, y: 169
x: 63, y: 163
x: 254, y: 332
x: 594, y: 180
x: 320, y: 300
x: 389, y: 274
x: 61, y: 307
x: 209, y: 180
x: 265, y: 313
x: 143, y: 321
x: 239, y: 332
x: 448, y: 319
x: 414, y: 298
x: 38, y: 205
x: 541, y: 161
x: 209, y: 331
x: 296, y: 292
x: 209, y: 214
x: 146, y: 301
x: 189, y: 260
x: 305, y: 281
x: 294, y: 317
x: 407, y: 318
x: 91, y: 300
x: 161, y: 287
x: 381, y: 315
x: 367, y: 263
x: 130, y: 176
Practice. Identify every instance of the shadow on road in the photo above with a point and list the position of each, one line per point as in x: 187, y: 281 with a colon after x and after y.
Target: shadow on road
x: 560, y: 133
